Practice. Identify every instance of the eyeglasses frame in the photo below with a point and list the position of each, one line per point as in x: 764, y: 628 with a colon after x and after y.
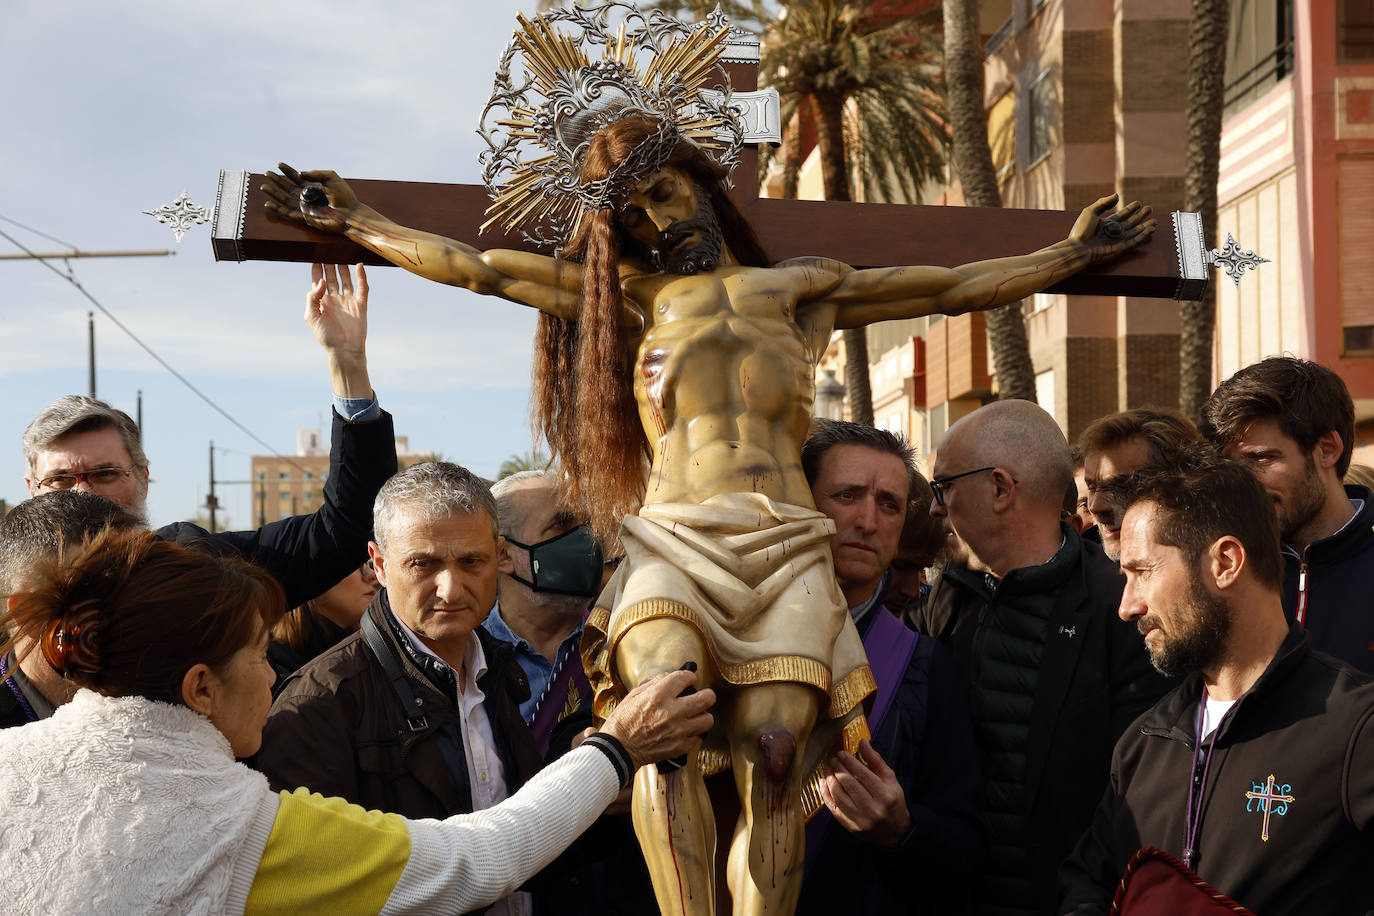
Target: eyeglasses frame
x: 85, y: 477
x: 937, y: 484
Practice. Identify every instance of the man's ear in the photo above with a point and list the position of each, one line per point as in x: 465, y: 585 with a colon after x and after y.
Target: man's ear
x: 1328, y: 449
x: 32, y: 486
x: 505, y: 561
x: 378, y: 562
x: 1226, y: 558
x: 198, y: 688
x: 1003, y: 488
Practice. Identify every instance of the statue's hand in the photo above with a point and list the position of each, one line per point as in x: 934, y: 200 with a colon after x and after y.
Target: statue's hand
x: 864, y: 795
x: 654, y: 722
x: 319, y: 199
x: 1104, y: 231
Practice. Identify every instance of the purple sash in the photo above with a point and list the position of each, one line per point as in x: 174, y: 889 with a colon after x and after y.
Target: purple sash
x: 889, y: 645
x: 570, y: 688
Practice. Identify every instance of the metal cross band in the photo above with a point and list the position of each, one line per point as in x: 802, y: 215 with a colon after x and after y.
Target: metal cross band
x: 1266, y: 799
x: 937, y: 484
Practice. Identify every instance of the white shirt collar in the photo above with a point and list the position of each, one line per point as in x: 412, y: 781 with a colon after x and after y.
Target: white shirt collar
x: 474, y: 659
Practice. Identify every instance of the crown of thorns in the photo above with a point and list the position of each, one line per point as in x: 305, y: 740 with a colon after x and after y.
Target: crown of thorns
x: 539, y: 124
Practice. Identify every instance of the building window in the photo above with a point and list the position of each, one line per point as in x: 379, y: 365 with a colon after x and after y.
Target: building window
x: 262, y: 475
x: 285, y: 494
x: 1354, y: 30
x: 1039, y: 105
x: 1359, y: 341
x: 1259, y: 50
x: 1355, y: 190
x: 1002, y: 134
x: 284, y: 475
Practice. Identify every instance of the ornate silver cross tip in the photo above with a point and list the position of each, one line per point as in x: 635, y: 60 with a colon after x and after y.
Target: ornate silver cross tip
x: 1194, y: 257
x: 180, y: 213
x: 1235, y: 261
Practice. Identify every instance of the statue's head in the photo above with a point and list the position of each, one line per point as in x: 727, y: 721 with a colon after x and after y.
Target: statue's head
x: 669, y: 217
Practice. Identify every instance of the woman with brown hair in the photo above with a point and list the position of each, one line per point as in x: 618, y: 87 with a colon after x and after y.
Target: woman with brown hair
x: 129, y: 800
x: 304, y: 632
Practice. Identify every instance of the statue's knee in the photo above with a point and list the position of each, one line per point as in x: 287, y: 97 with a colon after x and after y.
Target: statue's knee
x: 777, y: 750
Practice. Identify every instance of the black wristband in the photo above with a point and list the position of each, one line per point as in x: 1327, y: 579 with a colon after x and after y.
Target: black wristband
x: 615, y: 752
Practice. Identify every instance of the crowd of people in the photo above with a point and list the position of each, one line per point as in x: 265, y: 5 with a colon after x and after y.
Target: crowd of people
x: 1118, y: 673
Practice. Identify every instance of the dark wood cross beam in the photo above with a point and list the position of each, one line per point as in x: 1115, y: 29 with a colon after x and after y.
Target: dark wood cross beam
x: 859, y: 234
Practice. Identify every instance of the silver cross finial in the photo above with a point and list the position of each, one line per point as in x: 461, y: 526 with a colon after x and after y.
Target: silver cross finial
x: 180, y: 213
x: 717, y: 19
x: 1235, y: 261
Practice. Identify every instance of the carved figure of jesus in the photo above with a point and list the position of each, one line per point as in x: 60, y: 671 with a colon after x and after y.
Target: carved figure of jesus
x: 676, y: 372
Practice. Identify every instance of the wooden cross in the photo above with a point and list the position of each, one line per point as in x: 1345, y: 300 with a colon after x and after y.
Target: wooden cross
x: 1170, y: 264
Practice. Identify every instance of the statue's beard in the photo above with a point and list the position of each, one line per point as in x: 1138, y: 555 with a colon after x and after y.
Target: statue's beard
x: 701, y: 256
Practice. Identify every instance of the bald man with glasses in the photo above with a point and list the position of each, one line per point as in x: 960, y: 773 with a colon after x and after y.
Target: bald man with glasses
x: 1051, y: 673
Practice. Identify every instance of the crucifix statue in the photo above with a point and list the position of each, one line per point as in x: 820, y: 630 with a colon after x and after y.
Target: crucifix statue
x: 674, y: 383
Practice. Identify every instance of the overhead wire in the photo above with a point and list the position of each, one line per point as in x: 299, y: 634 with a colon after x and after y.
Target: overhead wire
x: 70, y: 277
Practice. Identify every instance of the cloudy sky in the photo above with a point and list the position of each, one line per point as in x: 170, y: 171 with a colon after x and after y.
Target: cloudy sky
x: 112, y: 109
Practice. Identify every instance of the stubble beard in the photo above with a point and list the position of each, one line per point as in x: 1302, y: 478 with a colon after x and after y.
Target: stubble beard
x: 1200, y: 643
x: 702, y: 257
x: 1304, y: 504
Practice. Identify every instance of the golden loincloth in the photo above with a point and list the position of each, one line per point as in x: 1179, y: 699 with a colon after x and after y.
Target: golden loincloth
x: 755, y: 578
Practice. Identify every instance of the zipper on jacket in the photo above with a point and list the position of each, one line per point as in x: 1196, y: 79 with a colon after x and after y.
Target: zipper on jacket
x: 1302, y: 589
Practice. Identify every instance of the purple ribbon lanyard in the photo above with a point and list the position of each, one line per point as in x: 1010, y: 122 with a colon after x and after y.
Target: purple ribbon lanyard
x: 1196, y: 789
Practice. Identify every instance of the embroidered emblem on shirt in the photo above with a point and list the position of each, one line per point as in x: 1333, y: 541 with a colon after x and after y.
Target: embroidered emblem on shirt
x: 1266, y: 798
x: 574, y: 701
x: 1070, y: 632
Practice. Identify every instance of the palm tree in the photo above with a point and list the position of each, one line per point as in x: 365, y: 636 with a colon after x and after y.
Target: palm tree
x: 870, y: 79
x: 532, y: 460
x: 972, y: 158
x: 1207, y: 33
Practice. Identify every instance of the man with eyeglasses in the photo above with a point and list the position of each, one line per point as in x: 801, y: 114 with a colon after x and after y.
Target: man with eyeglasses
x: 82, y: 443
x: 1052, y: 674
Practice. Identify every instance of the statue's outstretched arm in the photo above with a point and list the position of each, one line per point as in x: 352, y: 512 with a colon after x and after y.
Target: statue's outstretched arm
x: 1101, y: 232
x: 324, y: 201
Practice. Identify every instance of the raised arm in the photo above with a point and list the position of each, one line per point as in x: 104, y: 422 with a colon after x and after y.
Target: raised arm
x: 1101, y: 232
x: 324, y: 201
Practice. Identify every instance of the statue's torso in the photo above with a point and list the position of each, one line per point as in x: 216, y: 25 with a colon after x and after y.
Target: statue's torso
x: 724, y: 383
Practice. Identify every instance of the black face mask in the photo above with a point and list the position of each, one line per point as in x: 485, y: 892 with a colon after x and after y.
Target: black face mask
x: 569, y: 564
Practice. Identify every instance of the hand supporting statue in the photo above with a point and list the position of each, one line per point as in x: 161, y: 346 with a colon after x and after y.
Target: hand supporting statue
x: 655, y: 723
x: 864, y: 795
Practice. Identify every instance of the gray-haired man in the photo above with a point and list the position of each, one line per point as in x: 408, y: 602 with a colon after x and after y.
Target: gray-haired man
x: 414, y: 714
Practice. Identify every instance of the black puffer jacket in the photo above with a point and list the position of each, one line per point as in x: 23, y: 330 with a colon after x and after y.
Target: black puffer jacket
x: 1092, y: 677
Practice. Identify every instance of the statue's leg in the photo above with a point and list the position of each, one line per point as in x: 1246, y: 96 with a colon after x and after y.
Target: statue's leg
x: 672, y: 810
x: 767, y: 735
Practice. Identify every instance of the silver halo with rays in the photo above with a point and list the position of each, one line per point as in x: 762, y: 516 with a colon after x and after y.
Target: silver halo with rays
x: 539, y: 122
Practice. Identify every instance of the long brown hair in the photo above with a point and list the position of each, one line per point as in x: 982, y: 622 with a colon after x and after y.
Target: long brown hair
x: 584, y: 402
x: 131, y: 614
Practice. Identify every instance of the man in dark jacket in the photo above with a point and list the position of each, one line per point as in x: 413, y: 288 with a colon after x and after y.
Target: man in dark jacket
x: 1293, y: 423
x: 80, y: 442
x: 1052, y: 675
x: 901, y: 827
x: 1257, y: 771
x: 414, y: 714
